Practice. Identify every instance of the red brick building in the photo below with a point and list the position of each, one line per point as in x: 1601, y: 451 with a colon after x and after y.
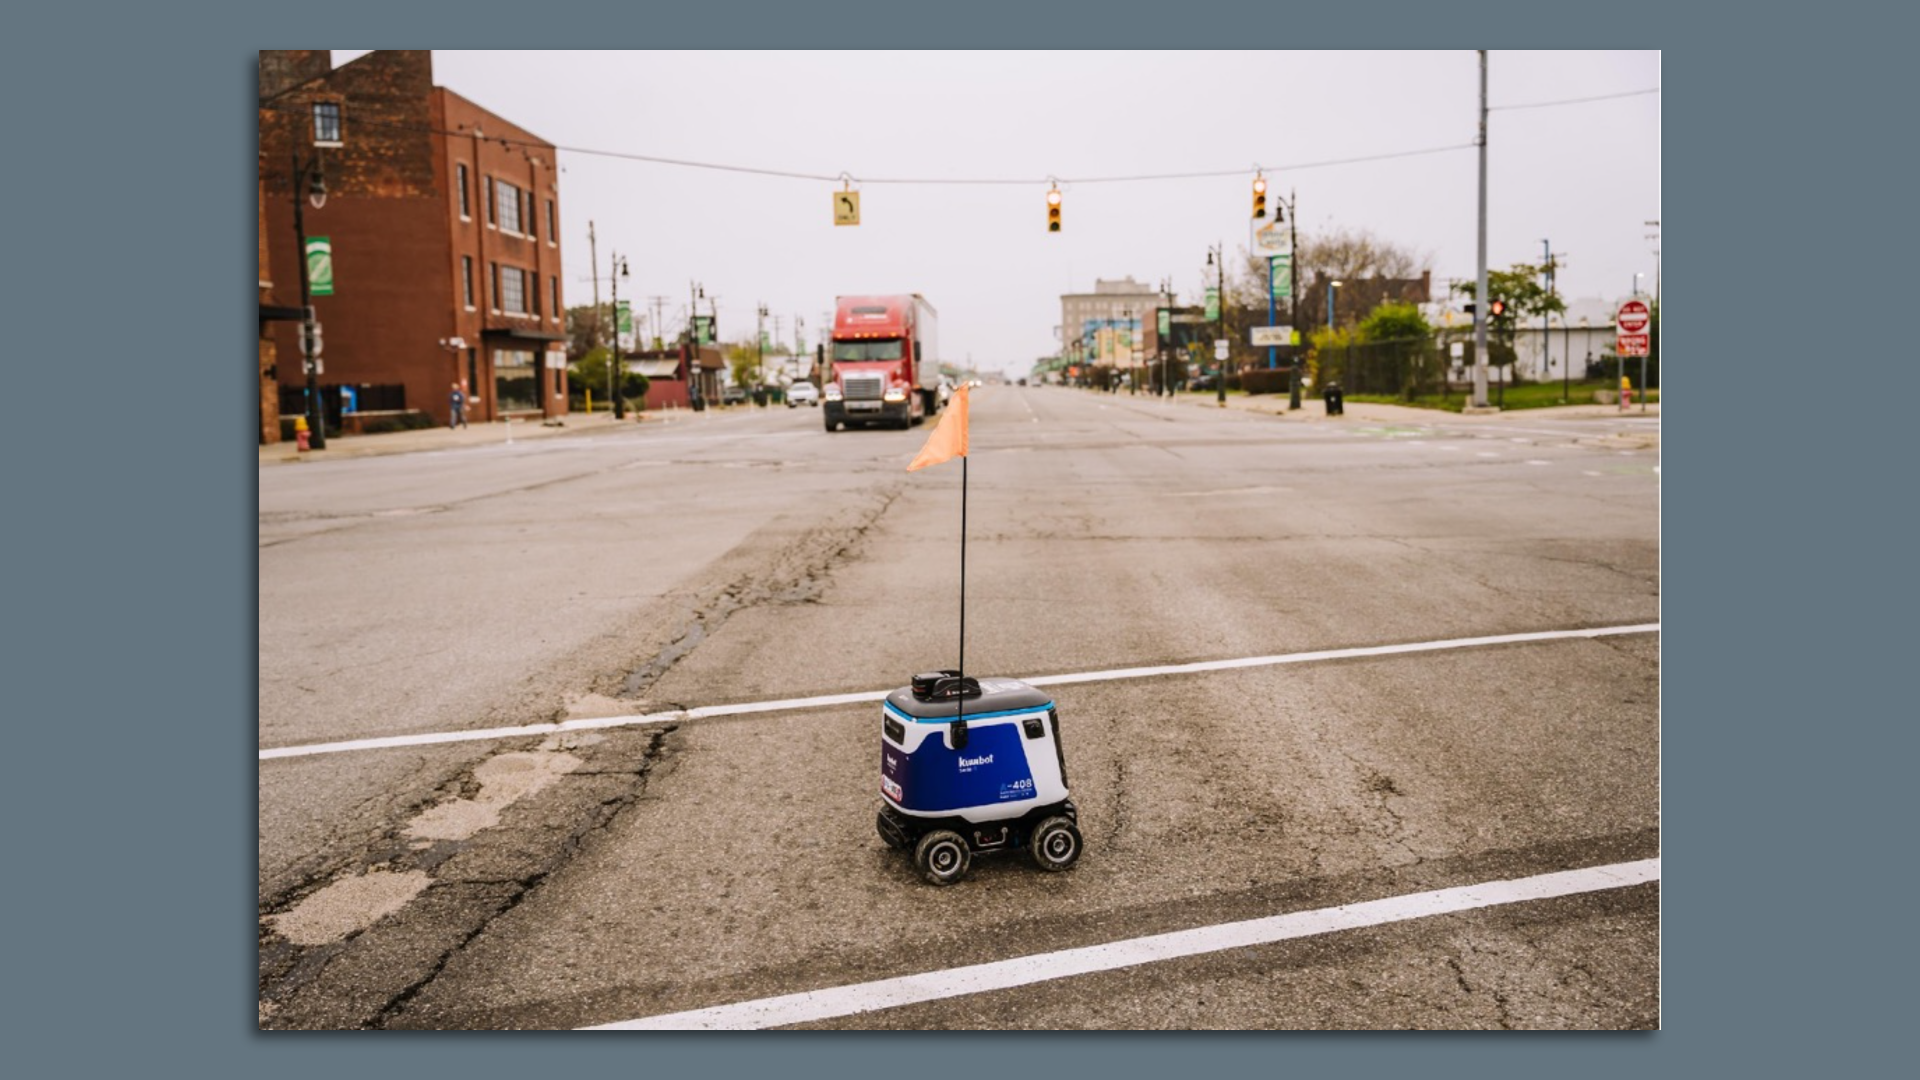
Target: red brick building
x: 444, y: 225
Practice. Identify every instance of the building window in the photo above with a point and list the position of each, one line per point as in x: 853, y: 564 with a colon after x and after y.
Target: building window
x: 533, y: 292
x: 553, y: 226
x: 513, y: 291
x: 466, y: 200
x: 554, y: 282
x: 326, y: 123
x: 533, y: 225
x: 466, y: 279
x: 493, y: 212
x: 493, y: 271
x: 509, y: 206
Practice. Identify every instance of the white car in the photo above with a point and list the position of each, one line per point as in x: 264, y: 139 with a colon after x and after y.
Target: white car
x: 803, y: 393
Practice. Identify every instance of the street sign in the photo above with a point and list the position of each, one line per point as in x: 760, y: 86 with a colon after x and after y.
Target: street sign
x: 1271, y: 335
x: 1220, y: 349
x: 311, y: 347
x: 1273, y: 239
x: 1457, y: 350
x: 846, y: 208
x: 1632, y: 323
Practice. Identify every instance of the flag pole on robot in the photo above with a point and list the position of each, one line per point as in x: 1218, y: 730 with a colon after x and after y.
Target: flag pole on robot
x: 948, y: 441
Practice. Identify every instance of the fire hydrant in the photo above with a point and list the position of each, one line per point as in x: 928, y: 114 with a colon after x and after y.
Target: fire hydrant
x: 1626, y: 391
x: 300, y: 433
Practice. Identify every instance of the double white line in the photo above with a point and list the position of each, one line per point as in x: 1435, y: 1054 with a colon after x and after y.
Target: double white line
x: 826, y: 700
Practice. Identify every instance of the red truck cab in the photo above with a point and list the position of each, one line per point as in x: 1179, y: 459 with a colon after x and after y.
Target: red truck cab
x: 885, y: 363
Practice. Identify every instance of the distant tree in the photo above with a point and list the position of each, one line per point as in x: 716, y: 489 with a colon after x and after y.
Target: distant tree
x: 1527, y: 299
x: 584, y: 332
x: 589, y: 375
x: 1395, y: 322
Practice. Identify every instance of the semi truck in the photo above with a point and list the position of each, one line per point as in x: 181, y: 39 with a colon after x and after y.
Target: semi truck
x: 885, y: 362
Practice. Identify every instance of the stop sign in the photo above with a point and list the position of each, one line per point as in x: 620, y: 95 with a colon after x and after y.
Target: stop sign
x: 1632, y: 317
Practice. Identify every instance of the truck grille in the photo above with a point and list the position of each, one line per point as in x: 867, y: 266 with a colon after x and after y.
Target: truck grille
x: 864, y: 387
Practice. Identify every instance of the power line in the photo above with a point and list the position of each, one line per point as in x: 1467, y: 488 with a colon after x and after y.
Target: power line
x: 921, y: 181
x: 1577, y: 101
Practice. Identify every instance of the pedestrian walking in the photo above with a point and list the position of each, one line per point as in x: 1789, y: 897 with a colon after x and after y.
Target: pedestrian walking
x: 459, y: 418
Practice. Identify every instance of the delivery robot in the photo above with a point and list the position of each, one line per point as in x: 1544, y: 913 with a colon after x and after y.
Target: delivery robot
x: 973, y: 765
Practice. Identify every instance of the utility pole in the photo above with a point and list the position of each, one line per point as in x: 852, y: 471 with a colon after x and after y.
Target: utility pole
x: 1480, y: 299
x: 1546, y: 355
x: 759, y: 352
x: 593, y: 260
x: 1218, y: 257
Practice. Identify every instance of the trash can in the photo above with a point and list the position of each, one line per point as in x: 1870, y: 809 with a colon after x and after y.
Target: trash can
x: 1336, y: 401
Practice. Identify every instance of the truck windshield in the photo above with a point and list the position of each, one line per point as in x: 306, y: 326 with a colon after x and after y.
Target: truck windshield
x: 887, y: 349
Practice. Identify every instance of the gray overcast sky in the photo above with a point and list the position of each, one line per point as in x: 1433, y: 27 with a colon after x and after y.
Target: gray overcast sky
x: 1586, y: 176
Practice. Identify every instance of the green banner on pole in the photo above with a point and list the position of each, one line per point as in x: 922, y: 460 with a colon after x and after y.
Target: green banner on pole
x: 703, y: 329
x: 1166, y: 323
x: 1213, y: 304
x: 1282, y: 276
x: 624, y: 319
x: 319, y: 266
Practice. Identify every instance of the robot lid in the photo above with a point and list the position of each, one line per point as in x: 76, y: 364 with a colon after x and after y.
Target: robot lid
x: 995, y: 696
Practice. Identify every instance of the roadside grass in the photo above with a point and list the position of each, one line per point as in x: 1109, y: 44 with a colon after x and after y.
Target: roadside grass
x: 1517, y: 396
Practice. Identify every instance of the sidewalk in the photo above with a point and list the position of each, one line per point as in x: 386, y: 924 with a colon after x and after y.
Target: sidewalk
x: 1360, y: 413
x: 479, y: 434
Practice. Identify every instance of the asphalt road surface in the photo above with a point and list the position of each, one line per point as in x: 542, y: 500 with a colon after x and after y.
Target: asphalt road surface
x: 723, y: 867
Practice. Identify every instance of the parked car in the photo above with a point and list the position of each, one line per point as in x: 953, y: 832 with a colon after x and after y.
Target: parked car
x: 733, y: 395
x: 803, y: 393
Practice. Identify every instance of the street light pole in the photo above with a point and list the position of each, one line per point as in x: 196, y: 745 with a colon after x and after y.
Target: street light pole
x: 1293, y: 225
x: 1218, y: 257
x: 615, y: 272
x: 316, y: 415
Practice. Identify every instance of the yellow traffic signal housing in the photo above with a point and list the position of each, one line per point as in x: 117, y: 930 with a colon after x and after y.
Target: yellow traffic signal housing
x: 1053, y: 210
x: 1260, y: 196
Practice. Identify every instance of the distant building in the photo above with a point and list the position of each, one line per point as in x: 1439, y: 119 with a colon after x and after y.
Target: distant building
x: 1111, y: 325
x: 444, y: 225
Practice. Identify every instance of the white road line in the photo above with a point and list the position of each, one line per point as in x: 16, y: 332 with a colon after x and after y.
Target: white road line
x: 825, y: 700
x: 928, y: 986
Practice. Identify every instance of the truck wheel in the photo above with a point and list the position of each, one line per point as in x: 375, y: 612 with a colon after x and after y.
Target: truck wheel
x: 942, y: 857
x: 1055, y: 844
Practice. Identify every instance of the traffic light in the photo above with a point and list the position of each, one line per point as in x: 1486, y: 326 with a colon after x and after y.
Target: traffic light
x: 1496, y: 309
x: 1260, y: 196
x: 1053, y: 210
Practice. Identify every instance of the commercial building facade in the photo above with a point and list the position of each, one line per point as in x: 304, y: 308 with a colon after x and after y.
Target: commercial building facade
x: 443, y: 220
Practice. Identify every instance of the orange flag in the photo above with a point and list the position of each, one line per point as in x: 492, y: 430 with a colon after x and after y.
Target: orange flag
x: 949, y: 438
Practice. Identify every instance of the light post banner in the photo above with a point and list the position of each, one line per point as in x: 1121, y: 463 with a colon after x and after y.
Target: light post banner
x: 623, y: 322
x: 1213, y: 304
x: 319, y: 266
x: 1283, y: 276
x: 1166, y: 324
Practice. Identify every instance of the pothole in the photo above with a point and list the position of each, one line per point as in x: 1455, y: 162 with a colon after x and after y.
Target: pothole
x: 503, y: 780
x: 348, y: 906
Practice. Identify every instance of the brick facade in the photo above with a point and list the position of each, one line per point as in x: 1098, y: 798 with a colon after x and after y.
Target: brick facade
x: 402, y: 248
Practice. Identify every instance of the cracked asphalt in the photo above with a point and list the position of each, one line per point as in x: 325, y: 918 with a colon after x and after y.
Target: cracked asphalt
x: 750, y: 556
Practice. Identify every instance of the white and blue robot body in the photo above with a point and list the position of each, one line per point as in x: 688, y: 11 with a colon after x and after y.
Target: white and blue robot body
x: 971, y: 766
